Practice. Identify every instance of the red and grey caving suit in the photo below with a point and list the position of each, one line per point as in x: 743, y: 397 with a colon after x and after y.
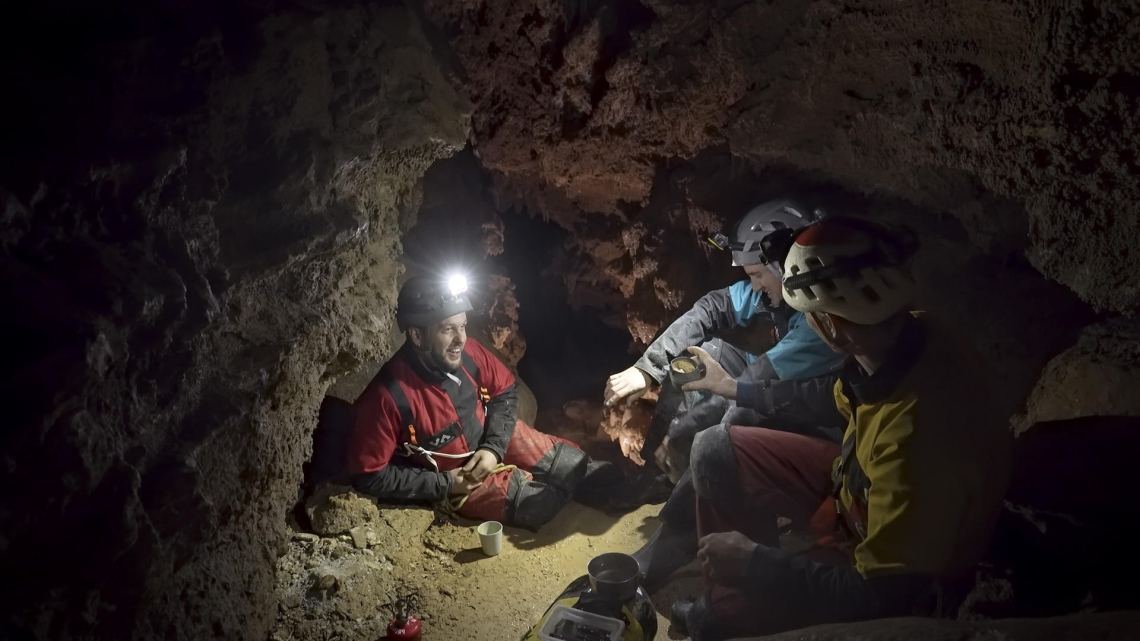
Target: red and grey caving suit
x: 413, y: 425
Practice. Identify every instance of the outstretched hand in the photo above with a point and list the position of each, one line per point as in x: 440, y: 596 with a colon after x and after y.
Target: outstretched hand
x: 629, y: 384
x: 716, y: 379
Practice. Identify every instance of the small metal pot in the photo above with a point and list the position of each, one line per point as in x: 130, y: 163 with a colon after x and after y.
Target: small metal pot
x: 679, y: 377
x: 613, y: 576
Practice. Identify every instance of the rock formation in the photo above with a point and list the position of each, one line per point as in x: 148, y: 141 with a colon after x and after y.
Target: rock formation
x: 201, y: 216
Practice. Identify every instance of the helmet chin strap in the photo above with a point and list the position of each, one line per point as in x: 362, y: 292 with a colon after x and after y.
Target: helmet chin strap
x: 426, y: 358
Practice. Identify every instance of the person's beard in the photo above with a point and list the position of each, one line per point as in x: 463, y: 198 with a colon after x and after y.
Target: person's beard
x: 440, y: 362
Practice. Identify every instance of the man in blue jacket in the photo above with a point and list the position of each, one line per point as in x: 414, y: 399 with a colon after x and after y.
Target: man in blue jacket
x: 798, y: 353
x: 798, y: 359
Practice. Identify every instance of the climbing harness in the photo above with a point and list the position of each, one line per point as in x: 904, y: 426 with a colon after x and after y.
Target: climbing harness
x: 448, y: 506
x: 412, y: 446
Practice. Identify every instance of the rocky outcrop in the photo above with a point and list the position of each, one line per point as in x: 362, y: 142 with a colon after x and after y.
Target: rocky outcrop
x: 201, y: 217
x: 1018, y: 120
x: 1099, y: 376
x: 1003, y: 132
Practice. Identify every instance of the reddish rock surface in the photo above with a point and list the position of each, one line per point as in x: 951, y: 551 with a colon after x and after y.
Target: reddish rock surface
x: 1012, y: 117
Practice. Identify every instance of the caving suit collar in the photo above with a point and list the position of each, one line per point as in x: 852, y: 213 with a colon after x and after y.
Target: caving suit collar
x: 863, y: 388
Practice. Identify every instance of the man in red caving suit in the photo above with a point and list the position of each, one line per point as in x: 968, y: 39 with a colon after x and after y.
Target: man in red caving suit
x: 439, y: 422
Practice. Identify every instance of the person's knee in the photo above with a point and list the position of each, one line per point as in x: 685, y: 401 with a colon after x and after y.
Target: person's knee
x: 737, y: 415
x: 713, y: 463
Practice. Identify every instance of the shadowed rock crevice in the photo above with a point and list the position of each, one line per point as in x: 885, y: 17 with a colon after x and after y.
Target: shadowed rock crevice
x: 199, y: 206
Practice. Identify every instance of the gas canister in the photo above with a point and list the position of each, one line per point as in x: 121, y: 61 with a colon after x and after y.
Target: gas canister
x: 404, y: 626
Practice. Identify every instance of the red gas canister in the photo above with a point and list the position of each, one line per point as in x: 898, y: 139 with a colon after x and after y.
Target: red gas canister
x: 404, y: 627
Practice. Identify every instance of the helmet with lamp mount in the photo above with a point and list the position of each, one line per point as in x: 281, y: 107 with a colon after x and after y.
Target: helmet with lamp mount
x: 424, y: 301
x: 852, y: 268
x: 774, y: 216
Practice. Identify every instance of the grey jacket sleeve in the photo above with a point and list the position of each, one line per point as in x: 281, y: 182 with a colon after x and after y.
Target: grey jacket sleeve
x: 712, y: 313
x: 809, y: 401
x: 499, y: 427
x: 759, y: 370
x: 399, y: 482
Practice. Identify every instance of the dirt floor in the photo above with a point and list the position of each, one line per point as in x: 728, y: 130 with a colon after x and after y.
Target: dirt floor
x: 329, y: 588
x: 342, y: 583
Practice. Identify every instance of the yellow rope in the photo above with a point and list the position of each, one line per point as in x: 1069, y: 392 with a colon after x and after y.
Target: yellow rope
x: 450, y: 506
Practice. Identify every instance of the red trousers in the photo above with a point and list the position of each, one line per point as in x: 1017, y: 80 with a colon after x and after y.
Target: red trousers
x: 780, y: 474
x: 527, y: 449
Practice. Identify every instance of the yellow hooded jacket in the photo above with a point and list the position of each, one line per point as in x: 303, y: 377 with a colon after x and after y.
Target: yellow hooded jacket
x: 926, y: 457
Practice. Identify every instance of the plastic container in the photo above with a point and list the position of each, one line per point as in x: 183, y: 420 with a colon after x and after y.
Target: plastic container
x: 491, y: 537
x: 559, y: 613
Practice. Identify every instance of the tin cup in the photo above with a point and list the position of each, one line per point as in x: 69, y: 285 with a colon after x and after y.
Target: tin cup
x: 686, y: 369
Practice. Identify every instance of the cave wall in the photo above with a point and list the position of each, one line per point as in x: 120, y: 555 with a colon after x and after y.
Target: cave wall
x: 201, y: 213
x: 1003, y: 132
x: 1018, y: 118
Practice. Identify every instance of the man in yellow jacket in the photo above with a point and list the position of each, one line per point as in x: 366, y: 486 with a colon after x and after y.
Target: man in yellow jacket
x: 905, y: 507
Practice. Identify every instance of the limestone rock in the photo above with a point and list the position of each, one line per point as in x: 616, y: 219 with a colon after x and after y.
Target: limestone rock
x: 242, y: 190
x: 335, y: 510
x: 359, y: 536
x: 1099, y: 376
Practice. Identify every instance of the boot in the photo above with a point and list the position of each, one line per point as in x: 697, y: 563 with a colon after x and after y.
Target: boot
x: 700, y: 624
x: 669, y: 549
x: 606, y: 489
x: 679, y: 615
x: 601, y: 476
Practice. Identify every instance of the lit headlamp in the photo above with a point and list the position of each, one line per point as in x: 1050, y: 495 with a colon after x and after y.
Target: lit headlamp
x: 456, y: 284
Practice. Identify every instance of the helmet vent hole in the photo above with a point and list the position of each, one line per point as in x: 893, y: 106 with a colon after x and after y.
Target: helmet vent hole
x: 814, y: 262
x: 871, y: 294
x: 829, y: 285
x: 809, y: 293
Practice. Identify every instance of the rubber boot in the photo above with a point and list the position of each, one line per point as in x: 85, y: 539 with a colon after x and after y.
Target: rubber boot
x: 700, y: 622
x: 674, y: 543
x: 679, y: 615
x: 606, y: 489
x: 669, y: 549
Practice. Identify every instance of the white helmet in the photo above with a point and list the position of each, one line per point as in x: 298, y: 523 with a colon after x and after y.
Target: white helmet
x: 852, y: 268
x: 773, y: 215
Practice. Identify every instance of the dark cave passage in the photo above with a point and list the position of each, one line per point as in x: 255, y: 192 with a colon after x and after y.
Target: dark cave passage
x: 570, y: 352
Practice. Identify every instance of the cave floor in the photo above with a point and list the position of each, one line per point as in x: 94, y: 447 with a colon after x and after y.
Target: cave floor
x: 460, y: 593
